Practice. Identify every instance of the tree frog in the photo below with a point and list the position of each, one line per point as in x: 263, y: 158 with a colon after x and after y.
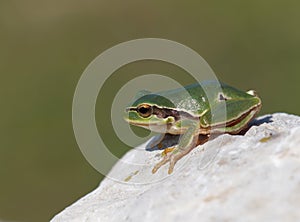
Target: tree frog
x: 189, y: 112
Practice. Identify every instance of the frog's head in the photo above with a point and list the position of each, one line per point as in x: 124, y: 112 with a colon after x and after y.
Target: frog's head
x: 151, y: 111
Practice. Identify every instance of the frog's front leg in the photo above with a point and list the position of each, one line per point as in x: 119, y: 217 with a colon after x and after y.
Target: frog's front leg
x: 187, y: 142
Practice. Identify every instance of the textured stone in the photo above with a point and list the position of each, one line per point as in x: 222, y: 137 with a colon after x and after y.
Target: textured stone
x: 251, y: 177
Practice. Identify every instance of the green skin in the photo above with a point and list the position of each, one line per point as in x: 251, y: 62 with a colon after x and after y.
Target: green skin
x: 187, y: 111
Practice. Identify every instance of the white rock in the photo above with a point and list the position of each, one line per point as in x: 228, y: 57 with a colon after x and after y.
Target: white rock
x: 254, y: 177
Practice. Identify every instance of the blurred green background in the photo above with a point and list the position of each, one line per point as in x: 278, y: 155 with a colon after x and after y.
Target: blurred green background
x: 46, y: 45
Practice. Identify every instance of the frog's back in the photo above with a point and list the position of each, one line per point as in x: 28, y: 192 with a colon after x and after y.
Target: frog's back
x: 194, y: 98
x: 197, y: 98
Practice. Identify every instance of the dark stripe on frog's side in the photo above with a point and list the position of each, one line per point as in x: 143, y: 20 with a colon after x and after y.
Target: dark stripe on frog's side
x: 228, y: 126
x: 165, y: 112
x: 215, y: 115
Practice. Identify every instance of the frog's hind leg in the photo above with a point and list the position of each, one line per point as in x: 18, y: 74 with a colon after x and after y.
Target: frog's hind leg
x: 187, y: 142
x: 204, y: 138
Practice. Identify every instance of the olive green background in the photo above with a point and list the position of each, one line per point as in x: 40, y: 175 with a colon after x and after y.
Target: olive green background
x: 46, y: 45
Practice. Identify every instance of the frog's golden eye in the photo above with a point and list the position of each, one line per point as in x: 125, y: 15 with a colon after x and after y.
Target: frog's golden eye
x: 145, y: 110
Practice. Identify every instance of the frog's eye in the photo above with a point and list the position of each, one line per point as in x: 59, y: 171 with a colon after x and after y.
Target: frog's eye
x: 145, y: 110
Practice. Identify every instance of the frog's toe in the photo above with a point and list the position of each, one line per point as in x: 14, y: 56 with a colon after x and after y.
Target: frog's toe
x: 172, y: 164
x: 171, y: 157
x: 173, y: 160
x: 167, y: 150
x: 165, y: 159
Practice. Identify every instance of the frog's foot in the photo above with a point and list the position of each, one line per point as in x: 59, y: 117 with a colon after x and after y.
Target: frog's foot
x: 167, y: 150
x: 172, y: 157
x: 187, y: 142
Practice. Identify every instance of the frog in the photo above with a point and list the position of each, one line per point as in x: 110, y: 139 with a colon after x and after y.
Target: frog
x: 189, y: 112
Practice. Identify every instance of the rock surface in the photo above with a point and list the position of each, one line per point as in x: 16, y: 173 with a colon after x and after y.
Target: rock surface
x: 251, y: 177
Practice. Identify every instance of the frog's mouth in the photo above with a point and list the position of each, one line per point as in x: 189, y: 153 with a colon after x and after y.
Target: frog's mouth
x: 134, y: 119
